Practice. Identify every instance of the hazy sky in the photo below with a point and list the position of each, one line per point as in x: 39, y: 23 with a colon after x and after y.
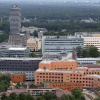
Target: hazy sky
x: 47, y: 0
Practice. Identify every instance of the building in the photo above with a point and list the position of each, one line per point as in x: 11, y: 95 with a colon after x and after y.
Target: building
x: 17, y: 78
x: 60, y: 44
x: 66, y: 86
x: 51, y: 56
x: 15, y: 19
x: 90, y: 38
x: 16, y: 38
x: 86, y: 60
x: 40, y: 31
x: 67, y: 72
x: 58, y: 65
x: 19, y: 39
x: 25, y: 66
x: 37, y: 92
x: 34, y: 44
x: 14, y: 51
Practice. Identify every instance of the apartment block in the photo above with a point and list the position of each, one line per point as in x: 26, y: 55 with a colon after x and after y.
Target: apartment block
x: 17, y: 65
x: 67, y: 72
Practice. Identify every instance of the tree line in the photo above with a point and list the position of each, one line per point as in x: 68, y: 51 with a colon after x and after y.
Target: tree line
x: 88, y: 51
x: 76, y: 95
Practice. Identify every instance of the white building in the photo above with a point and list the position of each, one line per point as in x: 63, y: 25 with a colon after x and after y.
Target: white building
x: 60, y: 44
x: 14, y: 51
x: 90, y: 38
x: 86, y: 60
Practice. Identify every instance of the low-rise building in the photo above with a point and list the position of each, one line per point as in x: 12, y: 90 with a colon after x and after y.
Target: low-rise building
x: 25, y: 66
x: 18, y: 39
x: 18, y: 78
x: 34, y: 44
x: 14, y: 51
x: 90, y: 38
x: 37, y: 92
x: 51, y: 56
x: 60, y: 44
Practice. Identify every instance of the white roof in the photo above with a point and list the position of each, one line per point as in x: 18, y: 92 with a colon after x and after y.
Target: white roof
x: 86, y: 58
x: 59, y: 71
x: 56, y: 60
x: 97, y: 76
x: 3, y: 58
x: 17, y: 48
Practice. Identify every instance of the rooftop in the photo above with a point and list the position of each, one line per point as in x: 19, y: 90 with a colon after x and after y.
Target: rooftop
x: 17, y: 48
x: 59, y: 71
x: 56, y: 60
x: 3, y: 58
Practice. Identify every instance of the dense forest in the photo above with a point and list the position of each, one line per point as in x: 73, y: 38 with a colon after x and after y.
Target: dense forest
x: 52, y: 12
x: 57, y: 19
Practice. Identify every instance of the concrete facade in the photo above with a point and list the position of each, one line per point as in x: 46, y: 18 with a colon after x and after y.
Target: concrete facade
x: 15, y: 19
x: 25, y: 66
x: 67, y: 72
x: 14, y: 51
x: 90, y: 38
x: 60, y: 44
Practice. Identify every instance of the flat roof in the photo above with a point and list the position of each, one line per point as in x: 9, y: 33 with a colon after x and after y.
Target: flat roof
x: 17, y: 58
x: 56, y: 60
x: 17, y: 48
x: 59, y: 71
x: 95, y: 75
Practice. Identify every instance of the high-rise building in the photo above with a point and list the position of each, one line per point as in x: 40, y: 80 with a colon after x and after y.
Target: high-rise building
x: 16, y: 38
x: 15, y: 19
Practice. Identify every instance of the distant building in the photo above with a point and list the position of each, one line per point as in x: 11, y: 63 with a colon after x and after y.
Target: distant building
x: 15, y: 19
x: 38, y: 91
x: 51, y: 56
x: 16, y: 38
x: 40, y: 31
x: 90, y: 38
x: 19, y: 39
x: 60, y: 44
x: 17, y: 65
x: 14, y: 51
x: 34, y: 44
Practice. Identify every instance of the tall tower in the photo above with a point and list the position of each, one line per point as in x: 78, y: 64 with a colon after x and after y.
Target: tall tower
x: 15, y: 19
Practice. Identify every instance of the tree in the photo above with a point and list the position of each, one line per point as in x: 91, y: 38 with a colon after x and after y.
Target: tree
x: 71, y: 97
x: 35, y: 33
x: 82, y: 97
x: 65, y: 97
x: 77, y: 93
x: 79, y: 51
x: 21, y: 96
x: 97, y: 98
x: 32, y: 86
x: 29, y: 97
x: 93, y: 51
x: 13, y: 96
x: 49, y: 96
x: 40, y: 98
x: 32, y: 54
x: 3, y: 96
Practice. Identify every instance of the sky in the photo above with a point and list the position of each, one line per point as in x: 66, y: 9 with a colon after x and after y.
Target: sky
x: 47, y: 0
